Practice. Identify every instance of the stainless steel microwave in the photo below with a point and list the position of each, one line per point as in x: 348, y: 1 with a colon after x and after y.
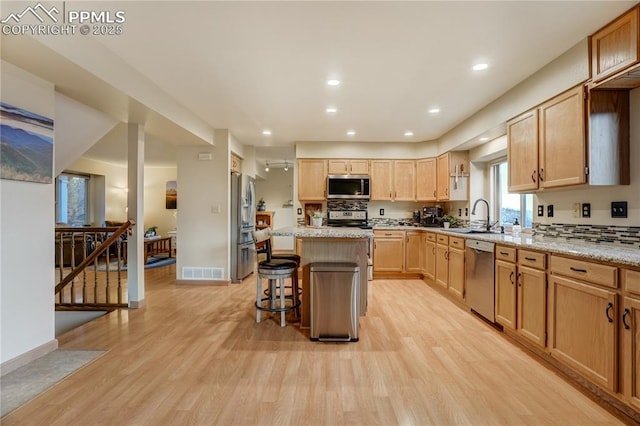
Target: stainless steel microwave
x: 348, y: 187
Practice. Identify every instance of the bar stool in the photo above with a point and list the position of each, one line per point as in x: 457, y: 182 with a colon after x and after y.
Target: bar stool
x: 276, y: 271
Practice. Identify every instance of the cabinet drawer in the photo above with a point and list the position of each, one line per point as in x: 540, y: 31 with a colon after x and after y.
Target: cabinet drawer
x: 594, y: 272
x: 456, y: 242
x: 388, y: 234
x: 507, y: 254
x: 431, y: 236
x: 632, y: 281
x: 532, y: 259
x: 443, y: 239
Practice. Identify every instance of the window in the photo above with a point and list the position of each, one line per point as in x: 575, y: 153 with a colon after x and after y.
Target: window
x: 72, y: 199
x: 509, y: 207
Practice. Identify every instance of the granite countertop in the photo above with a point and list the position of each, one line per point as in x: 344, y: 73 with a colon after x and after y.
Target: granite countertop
x: 322, y: 232
x: 600, y: 252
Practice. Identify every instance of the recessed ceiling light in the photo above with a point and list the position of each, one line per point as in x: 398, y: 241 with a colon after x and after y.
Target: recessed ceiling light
x: 480, y: 67
x: 351, y: 132
x: 333, y: 82
x: 266, y: 132
x: 408, y: 133
x: 434, y: 110
x: 484, y: 139
x: 331, y: 110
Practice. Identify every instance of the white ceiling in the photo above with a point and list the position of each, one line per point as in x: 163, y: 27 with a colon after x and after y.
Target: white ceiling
x: 247, y: 66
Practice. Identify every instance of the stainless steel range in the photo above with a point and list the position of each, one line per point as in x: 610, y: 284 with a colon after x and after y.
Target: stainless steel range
x: 349, y: 218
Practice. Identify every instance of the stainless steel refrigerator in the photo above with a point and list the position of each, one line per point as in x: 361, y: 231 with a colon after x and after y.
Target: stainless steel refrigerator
x: 243, y: 218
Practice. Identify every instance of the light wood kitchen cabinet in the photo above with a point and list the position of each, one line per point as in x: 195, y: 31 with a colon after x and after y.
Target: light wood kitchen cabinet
x: 312, y: 180
x: 583, y: 329
x: 404, y: 180
x: 393, y: 180
x: 442, y: 261
x: 381, y: 180
x: 521, y: 293
x: 456, y: 279
x: 348, y: 167
x: 522, y: 152
x: 388, y: 251
x: 615, y: 47
x: 562, y: 145
x: 414, y: 251
x: 631, y: 350
x: 505, y: 283
x: 426, y: 179
x: 452, y: 181
x: 430, y: 255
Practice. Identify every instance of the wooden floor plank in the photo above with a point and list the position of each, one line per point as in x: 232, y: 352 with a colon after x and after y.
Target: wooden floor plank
x: 195, y: 355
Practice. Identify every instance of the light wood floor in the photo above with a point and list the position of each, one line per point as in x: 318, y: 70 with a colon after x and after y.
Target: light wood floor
x: 195, y: 355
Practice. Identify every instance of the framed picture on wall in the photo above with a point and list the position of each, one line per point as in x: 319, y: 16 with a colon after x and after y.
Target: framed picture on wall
x: 26, y: 145
x: 172, y: 195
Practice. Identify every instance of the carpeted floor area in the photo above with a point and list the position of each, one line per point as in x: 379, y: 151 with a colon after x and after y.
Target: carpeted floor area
x: 27, y: 382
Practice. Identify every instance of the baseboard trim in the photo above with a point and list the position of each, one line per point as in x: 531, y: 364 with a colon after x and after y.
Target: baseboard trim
x: 27, y: 357
x: 137, y: 304
x: 220, y: 283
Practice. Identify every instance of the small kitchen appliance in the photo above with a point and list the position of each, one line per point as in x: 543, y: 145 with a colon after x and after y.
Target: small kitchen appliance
x: 431, y: 216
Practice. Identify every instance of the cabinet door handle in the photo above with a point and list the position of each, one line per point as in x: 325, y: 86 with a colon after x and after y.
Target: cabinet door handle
x: 390, y: 195
x: 519, y: 281
x: 434, y: 192
x: 584, y: 271
x: 533, y: 176
x: 433, y: 250
x: 504, y: 253
x: 626, y: 313
x: 606, y: 312
x: 511, y: 278
x: 446, y: 255
x: 446, y: 191
x: 541, y: 175
x: 530, y: 259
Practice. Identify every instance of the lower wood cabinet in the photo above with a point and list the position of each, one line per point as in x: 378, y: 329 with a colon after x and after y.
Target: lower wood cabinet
x: 583, y: 329
x: 442, y: 265
x: 414, y: 251
x: 631, y: 350
x: 532, y: 305
x: 430, y: 256
x: 505, y: 283
x: 388, y: 251
x: 456, y: 272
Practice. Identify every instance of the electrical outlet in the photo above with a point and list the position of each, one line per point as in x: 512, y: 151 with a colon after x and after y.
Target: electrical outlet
x: 381, y: 212
x: 618, y: 209
x: 540, y: 210
x: 459, y: 212
x: 576, y: 210
x: 466, y: 211
x: 586, y: 209
x: 299, y: 211
x: 550, y: 210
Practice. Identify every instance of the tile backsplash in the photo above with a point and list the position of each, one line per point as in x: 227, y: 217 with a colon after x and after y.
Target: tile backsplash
x: 607, y: 234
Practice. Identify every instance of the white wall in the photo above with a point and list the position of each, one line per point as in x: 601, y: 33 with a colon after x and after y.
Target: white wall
x: 277, y: 190
x: 115, y: 192
x: 203, y: 206
x: 395, y: 150
x: 27, y: 233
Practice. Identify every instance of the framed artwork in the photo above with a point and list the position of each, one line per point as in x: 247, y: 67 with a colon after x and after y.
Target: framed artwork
x: 26, y: 145
x: 171, y: 196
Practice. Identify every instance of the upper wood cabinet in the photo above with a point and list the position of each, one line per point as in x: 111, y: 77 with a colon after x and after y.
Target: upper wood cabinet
x: 393, y: 180
x: 426, y: 179
x: 615, y: 47
x: 452, y: 176
x: 312, y: 180
x: 522, y: 134
x: 348, y: 167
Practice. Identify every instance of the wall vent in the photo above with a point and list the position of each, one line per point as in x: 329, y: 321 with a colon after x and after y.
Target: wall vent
x: 202, y: 273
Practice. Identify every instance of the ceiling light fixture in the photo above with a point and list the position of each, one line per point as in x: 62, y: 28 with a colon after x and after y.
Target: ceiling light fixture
x: 266, y: 169
x: 333, y: 82
x: 484, y: 139
x: 331, y: 110
x: 434, y: 110
x: 266, y: 132
x: 351, y: 133
x: 480, y: 67
x: 286, y: 166
x: 408, y: 133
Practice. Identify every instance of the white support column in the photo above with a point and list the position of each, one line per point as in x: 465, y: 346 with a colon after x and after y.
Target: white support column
x: 135, y: 205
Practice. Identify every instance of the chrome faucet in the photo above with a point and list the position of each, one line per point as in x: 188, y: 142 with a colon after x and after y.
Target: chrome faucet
x: 473, y: 211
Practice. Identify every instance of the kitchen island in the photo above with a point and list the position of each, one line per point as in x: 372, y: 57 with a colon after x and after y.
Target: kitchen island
x: 326, y: 244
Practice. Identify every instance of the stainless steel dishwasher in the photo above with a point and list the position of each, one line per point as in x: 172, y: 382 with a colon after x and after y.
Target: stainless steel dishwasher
x: 480, y: 292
